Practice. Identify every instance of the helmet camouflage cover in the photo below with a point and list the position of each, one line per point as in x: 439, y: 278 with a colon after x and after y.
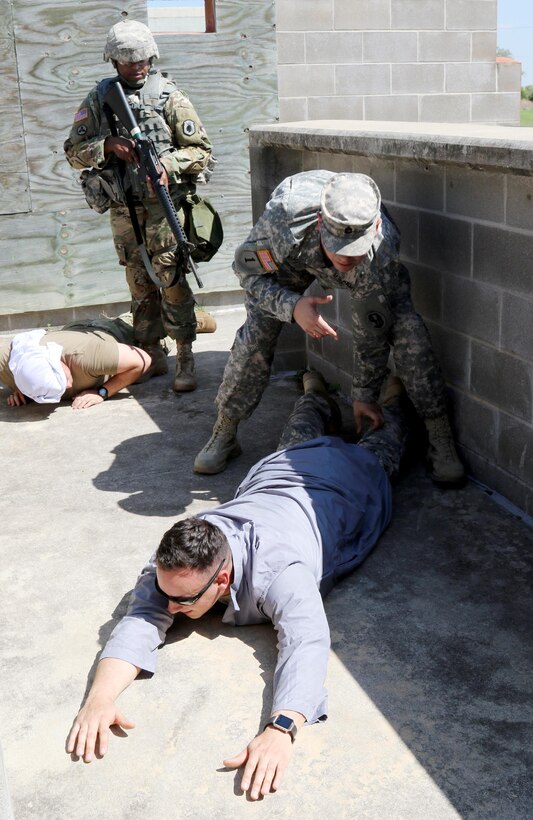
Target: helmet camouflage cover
x: 129, y: 42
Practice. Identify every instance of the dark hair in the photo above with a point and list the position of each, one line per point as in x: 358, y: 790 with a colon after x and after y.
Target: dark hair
x: 192, y: 544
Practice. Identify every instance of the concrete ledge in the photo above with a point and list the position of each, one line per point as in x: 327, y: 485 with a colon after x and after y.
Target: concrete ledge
x: 503, y: 148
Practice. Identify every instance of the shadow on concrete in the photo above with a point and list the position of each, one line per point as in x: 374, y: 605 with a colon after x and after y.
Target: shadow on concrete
x: 435, y: 626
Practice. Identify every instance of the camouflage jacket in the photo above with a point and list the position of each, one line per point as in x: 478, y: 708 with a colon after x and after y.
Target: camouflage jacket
x: 283, y: 255
x: 185, y: 155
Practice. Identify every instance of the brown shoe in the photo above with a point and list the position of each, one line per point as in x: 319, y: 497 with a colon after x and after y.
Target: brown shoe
x: 392, y: 391
x: 185, y: 379
x: 446, y: 467
x: 205, y: 323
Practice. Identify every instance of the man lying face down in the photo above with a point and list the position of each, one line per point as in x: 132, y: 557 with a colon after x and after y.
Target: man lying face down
x: 302, y: 518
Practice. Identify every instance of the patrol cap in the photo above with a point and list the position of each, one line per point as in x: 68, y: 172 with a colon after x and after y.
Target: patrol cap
x: 350, y: 206
x: 129, y: 42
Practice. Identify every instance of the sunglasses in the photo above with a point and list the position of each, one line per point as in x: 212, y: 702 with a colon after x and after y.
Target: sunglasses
x: 178, y: 599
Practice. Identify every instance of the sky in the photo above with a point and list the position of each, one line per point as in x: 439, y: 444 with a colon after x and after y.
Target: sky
x: 515, y: 32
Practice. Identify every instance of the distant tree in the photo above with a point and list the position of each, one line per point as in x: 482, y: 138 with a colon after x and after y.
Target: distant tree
x: 503, y: 52
x: 527, y: 92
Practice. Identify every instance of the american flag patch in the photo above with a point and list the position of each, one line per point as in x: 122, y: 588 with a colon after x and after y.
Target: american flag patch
x: 81, y: 115
x: 266, y: 260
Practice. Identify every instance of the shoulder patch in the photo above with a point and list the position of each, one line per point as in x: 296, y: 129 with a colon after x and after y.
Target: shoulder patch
x: 189, y: 128
x: 266, y: 260
x: 81, y: 130
x: 250, y: 260
x: 81, y: 115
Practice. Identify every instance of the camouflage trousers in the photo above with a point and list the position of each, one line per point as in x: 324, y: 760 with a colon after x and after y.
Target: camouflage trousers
x: 248, y: 369
x: 157, y: 312
x: 309, y: 417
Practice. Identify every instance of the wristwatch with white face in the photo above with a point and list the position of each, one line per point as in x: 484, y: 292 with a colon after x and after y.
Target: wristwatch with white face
x: 102, y: 391
x: 284, y: 724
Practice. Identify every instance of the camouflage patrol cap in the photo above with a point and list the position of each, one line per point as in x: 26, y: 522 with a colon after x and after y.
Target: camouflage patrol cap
x: 350, y: 207
x: 129, y: 42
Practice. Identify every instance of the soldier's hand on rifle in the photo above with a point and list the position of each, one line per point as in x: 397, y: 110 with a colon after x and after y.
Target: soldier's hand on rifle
x: 163, y: 179
x: 122, y: 147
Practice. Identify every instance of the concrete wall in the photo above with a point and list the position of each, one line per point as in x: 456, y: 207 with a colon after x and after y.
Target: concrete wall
x: 463, y: 199
x: 409, y: 60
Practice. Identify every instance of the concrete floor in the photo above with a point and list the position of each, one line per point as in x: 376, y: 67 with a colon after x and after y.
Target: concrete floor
x: 428, y: 676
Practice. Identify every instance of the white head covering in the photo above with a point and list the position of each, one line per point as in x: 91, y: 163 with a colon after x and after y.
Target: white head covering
x: 37, y: 368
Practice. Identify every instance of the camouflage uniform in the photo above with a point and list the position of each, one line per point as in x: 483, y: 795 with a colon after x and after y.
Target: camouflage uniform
x: 281, y: 257
x: 312, y: 411
x: 169, y: 118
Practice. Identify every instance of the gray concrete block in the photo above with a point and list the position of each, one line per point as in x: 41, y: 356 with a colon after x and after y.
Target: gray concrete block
x: 471, y: 15
x: 478, y: 194
x: 339, y: 163
x: 417, y: 78
x: 344, y: 310
x: 509, y: 76
x: 311, y: 160
x: 289, y: 360
x: 381, y: 171
x: 402, y: 108
x: 339, y: 352
x: 390, y: 46
x: 484, y: 44
x: 515, y: 448
x: 417, y: 14
x: 445, y: 108
x: 501, y: 379
x: 294, y: 15
x: 519, y: 211
x: 517, y: 325
x: 445, y: 244
x: 420, y: 184
x: 498, y: 107
x: 476, y: 424
x: 472, y: 308
x: 470, y: 77
x: 331, y: 372
x: 453, y: 352
x: 443, y: 46
x: 406, y: 220
x: 334, y: 47
x: 291, y: 47
x: 336, y: 108
x: 363, y: 79
x: 503, y: 258
x: 426, y: 291
x: 306, y: 80
x: 362, y: 15
x: 293, y: 109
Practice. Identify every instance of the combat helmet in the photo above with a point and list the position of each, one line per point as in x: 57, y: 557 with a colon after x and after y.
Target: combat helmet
x: 129, y: 42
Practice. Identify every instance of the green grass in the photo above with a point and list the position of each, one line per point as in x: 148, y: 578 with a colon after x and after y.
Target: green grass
x: 526, y: 117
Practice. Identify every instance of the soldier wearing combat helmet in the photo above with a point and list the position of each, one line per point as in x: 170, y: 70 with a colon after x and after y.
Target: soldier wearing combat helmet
x: 332, y: 229
x: 110, y: 176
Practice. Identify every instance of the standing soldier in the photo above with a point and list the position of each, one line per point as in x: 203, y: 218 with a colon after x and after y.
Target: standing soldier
x: 103, y: 147
x: 330, y: 228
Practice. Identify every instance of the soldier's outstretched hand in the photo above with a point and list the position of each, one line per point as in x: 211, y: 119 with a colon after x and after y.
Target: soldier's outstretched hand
x: 307, y: 316
x: 370, y: 410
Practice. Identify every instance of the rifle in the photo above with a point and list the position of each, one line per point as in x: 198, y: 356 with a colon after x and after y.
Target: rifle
x: 152, y: 169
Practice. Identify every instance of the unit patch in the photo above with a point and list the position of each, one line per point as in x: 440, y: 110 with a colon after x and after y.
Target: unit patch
x: 81, y: 130
x: 266, y: 259
x: 189, y: 128
x: 81, y: 115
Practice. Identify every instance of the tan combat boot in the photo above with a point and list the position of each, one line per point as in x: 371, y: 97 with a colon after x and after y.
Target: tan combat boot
x: 159, y: 364
x: 314, y: 382
x: 205, y: 323
x: 446, y: 469
x: 185, y: 371
x: 222, y: 446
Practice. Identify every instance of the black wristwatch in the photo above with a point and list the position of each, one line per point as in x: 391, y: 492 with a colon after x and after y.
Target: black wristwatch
x: 284, y: 724
x: 102, y: 391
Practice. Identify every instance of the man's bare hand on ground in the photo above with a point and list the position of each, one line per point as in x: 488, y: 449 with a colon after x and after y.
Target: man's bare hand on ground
x: 265, y: 760
x: 89, y: 735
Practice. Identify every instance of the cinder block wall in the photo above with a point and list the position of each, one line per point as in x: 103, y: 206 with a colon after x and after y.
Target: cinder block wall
x: 464, y: 205
x: 409, y: 60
